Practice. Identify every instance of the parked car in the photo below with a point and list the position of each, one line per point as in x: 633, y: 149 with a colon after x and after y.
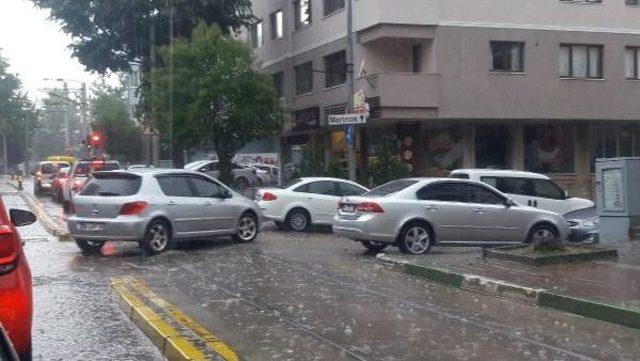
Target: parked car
x: 7, y: 350
x: 531, y: 189
x: 139, y: 166
x: 16, y: 303
x: 272, y: 170
x: 155, y: 206
x: 264, y: 179
x: 243, y: 177
x: 584, y: 224
x: 80, y: 173
x: 303, y: 202
x: 57, y: 183
x: 43, y: 175
x: 414, y: 214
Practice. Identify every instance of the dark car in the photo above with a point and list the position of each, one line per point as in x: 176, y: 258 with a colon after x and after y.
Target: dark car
x: 44, y: 174
x: 584, y: 224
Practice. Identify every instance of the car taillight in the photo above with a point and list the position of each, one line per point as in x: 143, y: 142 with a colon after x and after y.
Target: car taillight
x: 8, y: 249
x: 369, y: 207
x: 133, y: 208
x: 266, y: 196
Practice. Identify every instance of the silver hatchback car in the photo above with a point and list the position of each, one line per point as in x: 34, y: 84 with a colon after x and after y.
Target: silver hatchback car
x: 156, y: 206
x: 415, y: 213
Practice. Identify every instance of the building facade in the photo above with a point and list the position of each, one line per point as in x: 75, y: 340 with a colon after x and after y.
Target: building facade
x: 546, y: 86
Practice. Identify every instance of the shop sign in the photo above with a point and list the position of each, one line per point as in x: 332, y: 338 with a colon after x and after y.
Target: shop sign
x: 346, y: 119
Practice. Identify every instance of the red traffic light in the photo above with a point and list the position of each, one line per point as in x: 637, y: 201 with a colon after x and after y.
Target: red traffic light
x: 94, y: 139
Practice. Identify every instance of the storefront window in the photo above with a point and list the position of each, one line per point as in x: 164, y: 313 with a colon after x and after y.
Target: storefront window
x: 549, y: 148
x: 611, y: 141
x: 492, y: 146
x: 443, y: 150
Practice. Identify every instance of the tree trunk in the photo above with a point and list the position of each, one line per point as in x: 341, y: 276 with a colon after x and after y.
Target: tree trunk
x: 226, y: 169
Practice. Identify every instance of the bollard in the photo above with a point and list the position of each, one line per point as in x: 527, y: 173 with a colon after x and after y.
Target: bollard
x: 20, y: 182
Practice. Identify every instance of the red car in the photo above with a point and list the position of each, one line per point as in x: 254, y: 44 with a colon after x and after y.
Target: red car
x: 16, y: 304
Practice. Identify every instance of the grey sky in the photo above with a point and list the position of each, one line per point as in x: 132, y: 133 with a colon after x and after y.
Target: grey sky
x: 37, y: 48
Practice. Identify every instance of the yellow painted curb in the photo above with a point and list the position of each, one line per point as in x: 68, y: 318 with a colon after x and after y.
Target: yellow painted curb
x: 161, y: 334
x: 213, y: 342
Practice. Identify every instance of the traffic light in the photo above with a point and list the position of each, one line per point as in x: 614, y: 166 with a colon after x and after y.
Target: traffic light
x: 94, y: 139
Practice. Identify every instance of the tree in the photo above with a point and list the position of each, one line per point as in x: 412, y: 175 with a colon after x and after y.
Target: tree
x: 121, y: 137
x: 212, y: 95
x: 17, y: 116
x: 108, y: 34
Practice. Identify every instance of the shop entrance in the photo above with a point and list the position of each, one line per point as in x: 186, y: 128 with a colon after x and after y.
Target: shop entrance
x: 492, y: 146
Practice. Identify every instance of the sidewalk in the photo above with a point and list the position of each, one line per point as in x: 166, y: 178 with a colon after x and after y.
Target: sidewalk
x: 608, y: 285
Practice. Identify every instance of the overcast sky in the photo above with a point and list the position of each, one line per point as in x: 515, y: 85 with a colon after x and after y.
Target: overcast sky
x: 36, y: 48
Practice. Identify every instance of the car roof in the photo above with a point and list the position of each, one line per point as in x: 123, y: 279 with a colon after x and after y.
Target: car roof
x: 501, y: 173
x: 319, y: 179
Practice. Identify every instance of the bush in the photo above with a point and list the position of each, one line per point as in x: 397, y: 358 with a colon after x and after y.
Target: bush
x: 386, y: 167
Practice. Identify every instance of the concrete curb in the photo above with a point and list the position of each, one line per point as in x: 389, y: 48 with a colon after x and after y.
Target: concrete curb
x: 535, y: 296
x: 162, y: 335
x: 54, y: 228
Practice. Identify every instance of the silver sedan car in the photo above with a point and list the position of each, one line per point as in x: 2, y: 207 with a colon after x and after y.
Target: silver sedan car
x: 416, y: 213
x: 156, y: 206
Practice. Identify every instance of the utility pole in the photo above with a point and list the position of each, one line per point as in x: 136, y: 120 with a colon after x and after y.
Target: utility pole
x: 84, y: 130
x: 350, y: 79
x: 67, y: 140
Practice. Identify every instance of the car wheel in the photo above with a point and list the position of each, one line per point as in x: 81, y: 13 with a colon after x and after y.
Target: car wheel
x: 544, y: 236
x: 415, y: 238
x: 374, y: 246
x: 298, y: 220
x: 156, y: 238
x: 242, y: 184
x: 90, y: 247
x: 247, y: 228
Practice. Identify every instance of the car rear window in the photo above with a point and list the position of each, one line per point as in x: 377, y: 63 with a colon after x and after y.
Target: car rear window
x: 50, y: 168
x: 390, y: 188
x: 112, y: 185
x: 85, y: 168
x: 290, y: 183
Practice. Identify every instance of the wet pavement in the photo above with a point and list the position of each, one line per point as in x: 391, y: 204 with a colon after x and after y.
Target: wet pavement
x: 296, y: 297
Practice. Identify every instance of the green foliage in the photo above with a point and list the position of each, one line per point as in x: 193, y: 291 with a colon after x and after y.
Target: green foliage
x: 108, y: 34
x: 337, y: 170
x: 386, y: 168
x: 122, y: 139
x: 311, y: 163
x: 17, y: 115
x: 212, y: 95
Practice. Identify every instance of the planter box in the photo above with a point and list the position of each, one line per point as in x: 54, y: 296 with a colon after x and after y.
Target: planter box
x: 525, y: 254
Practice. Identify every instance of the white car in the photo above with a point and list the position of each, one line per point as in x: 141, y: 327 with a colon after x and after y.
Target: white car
x: 302, y: 202
x: 526, y: 188
x: 264, y: 178
x: 244, y: 177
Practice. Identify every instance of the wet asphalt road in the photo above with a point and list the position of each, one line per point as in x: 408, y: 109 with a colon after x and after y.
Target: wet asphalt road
x: 295, y: 297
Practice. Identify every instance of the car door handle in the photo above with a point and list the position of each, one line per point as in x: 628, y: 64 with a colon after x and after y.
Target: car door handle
x: 479, y: 210
x: 535, y: 203
x: 172, y: 203
x: 431, y: 208
x: 207, y: 203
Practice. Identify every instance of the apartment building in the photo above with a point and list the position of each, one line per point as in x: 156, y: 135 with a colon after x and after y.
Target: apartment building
x: 539, y: 85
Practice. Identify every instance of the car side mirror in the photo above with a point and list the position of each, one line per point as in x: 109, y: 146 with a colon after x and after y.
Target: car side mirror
x: 566, y: 195
x: 509, y: 202
x: 20, y: 217
x: 225, y: 194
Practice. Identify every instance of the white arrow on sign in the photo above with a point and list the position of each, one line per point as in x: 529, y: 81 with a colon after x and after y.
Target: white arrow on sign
x: 346, y: 119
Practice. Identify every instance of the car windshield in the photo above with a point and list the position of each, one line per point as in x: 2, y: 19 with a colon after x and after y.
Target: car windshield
x: 390, y: 188
x: 86, y: 168
x: 112, y: 185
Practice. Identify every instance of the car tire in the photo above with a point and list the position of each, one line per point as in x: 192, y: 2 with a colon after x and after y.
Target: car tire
x: 544, y: 237
x: 298, y: 220
x: 89, y: 247
x: 415, y: 238
x: 248, y: 228
x: 156, y: 238
x: 374, y: 247
x: 241, y: 184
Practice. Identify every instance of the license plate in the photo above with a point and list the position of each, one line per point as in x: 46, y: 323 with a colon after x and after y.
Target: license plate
x: 349, y: 208
x: 91, y: 227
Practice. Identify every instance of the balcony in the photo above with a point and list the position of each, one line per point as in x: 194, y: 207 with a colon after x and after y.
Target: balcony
x: 411, y: 94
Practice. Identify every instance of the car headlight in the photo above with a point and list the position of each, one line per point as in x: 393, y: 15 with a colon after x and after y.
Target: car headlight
x: 589, y: 223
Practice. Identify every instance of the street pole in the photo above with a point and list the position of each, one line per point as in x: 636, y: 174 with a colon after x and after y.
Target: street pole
x: 67, y: 141
x: 350, y: 79
x: 83, y: 111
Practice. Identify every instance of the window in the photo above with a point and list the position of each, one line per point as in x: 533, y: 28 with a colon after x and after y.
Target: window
x: 482, y: 195
x: 209, y: 167
x: 175, y: 186
x: 324, y: 187
x: 510, y: 185
x: 304, y: 78
x: 633, y: 2
x: 205, y: 188
x: 610, y: 141
x: 278, y: 84
x: 547, y: 189
x: 581, y: 61
x: 549, y: 148
x: 582, y: 1
x: 257, y: 39
x: 416, y: 58
x: 335, y: 69
x: 331, y: 6
x: 507, y: 56
x: 632, y: 62
x: 277, y: 25
x: 302, y: 12
x: 443, y: 192
x: 390, y: 188
x: 346, y: 189
x: 112, y: 185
